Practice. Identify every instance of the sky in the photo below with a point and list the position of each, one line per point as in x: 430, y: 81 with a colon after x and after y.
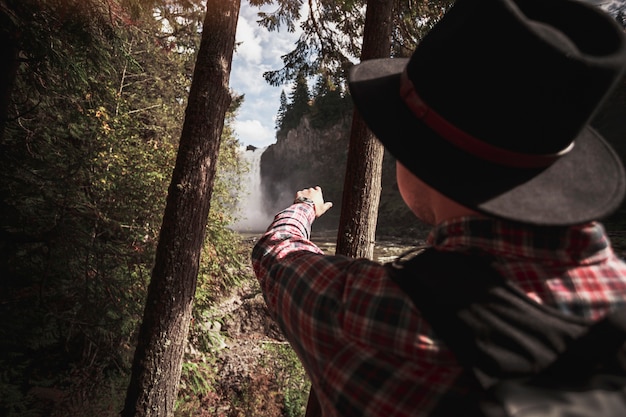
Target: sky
x: 259, y: 51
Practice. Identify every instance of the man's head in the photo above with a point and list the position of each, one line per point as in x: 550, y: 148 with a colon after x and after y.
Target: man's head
x: 492, y: 109
x: 428, y: 204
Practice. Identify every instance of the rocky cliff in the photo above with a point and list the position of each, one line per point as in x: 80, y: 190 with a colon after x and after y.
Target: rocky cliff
x: 307, y: 156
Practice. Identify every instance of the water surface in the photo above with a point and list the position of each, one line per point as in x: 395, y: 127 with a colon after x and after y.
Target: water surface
x: 385, y: 249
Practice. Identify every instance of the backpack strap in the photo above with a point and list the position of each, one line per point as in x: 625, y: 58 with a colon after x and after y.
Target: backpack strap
x: 601, y: 347
x: 493, y: 328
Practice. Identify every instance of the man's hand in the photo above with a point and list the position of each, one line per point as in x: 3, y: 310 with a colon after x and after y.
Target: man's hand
x: 315, y: 195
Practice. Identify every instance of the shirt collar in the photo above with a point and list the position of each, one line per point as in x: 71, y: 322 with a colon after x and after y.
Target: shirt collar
x: 578, y: 244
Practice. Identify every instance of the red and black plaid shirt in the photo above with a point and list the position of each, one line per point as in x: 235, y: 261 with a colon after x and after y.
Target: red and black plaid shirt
x: 335, y: 310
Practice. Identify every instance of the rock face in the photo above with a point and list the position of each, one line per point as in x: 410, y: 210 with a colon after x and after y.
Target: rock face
x: 306, y: 157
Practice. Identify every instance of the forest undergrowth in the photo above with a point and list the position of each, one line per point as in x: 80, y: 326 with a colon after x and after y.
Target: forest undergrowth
x: 252, y: 370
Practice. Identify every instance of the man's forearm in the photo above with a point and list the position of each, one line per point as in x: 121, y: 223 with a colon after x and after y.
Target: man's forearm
x: 289, y: 232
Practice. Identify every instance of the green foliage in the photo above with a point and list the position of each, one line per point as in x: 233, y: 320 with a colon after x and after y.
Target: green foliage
x: 330, y: 105
x: 287, y: 13
x: 222, y: 258
x: 196, y: 380
x: 412, y: 21
x: 199, y: 370
x: 330, y: 40
x: 282, y: 110
x: 297, y: 107
x: 65, y: 281
x: 180, y: 24
x: 275, y: 386
x: 332, y: 32
x: 85, y: 163
x: 290, y: 376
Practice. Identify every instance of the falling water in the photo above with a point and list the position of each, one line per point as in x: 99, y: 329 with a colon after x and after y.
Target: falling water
x: 253, y: 217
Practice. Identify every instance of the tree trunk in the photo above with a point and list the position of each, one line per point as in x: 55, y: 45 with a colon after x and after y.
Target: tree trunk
x: 8, y: 64
x: 362, y: 183
x: 163, y: 334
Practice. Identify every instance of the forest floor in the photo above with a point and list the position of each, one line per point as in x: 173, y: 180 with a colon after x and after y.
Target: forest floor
x: 256, y: 372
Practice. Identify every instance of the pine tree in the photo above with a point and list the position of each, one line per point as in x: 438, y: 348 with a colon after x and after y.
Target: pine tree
x: 330, y: 104
x: 298, y: 106
x: 282, y: 111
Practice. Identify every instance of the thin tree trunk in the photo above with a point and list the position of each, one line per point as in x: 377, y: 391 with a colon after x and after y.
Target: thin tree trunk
x: 163, y: 334
x: 8, y: 65
x: 361, y: 193
x: 362, y: 184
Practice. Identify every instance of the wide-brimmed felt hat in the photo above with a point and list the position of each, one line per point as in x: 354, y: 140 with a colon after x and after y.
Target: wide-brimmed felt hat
x: 493, y: 108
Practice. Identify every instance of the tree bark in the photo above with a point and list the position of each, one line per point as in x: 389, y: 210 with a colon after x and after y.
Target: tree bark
x: 362, y: 184
x: 157, y: 364
x: 8, y: 64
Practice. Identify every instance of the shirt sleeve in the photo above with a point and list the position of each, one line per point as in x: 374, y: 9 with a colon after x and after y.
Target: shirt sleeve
x: 303, y: 288
x: 354, y: 330
x: 289, y: 232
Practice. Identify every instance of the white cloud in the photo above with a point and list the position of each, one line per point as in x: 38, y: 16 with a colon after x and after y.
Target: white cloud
x: 259, y: 51
x: 250, y: 45
x: 253, y: 132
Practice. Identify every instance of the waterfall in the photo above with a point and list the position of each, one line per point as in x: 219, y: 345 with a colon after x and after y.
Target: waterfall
x: 251, y: 208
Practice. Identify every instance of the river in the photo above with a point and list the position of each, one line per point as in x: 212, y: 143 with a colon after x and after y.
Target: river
x: 385, y: 249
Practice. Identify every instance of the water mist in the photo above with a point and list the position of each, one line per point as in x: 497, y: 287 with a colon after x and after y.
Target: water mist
x: 251, y: 208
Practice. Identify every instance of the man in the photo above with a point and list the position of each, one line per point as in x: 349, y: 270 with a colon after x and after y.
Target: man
x: 488, y: 121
